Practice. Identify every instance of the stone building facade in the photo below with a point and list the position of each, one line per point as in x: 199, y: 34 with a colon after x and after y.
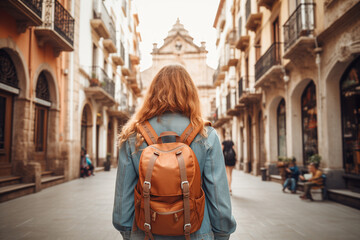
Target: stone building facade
x: 68, y: 79
x: 296, y: 83
x: 179, y: 48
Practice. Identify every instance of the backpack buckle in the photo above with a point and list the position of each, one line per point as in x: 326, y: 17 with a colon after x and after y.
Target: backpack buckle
x: 147, y: 225
x: 149, y: 183
x: 188, y: 225
x: 182, y: 184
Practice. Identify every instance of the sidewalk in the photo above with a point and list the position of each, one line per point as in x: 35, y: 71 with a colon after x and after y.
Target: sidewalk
x: 81, y: 209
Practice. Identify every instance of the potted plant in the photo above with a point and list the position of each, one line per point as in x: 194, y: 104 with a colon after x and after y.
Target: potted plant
x: 107, y: 163
x: 316, y: 159
x: 94, y: 80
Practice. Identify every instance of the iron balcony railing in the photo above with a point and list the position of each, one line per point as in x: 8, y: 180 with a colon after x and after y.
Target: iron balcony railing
x: 247, y: 9
x: 228, y: 101
x: 240, y: 87
x: 35, y: 6
x: 300, y: 23
x: 270, y: 58
x: 216, y: 73
x: 122, y: 51
x: 63, y: 22
x: 100, y: 12
x: 102, y: 80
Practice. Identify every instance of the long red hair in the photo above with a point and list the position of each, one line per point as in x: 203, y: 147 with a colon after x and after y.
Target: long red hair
x: 172, y: 90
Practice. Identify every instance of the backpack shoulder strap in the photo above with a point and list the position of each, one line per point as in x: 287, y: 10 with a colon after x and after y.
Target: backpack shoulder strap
x: 190, y: 133
x: 148, y: 133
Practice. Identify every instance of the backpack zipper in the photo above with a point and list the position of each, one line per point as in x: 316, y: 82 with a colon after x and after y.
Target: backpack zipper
x: 166, y: 151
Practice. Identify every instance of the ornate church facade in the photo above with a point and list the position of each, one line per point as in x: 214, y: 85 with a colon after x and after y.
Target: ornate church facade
x: 179, y: 48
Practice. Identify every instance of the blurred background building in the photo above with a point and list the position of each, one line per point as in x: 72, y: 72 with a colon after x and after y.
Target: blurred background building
x: 68, y: 79
x: 179, y: 48
x: 288, y: 84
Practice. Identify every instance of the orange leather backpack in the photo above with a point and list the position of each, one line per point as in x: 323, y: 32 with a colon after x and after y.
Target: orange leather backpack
x: 169, y: 199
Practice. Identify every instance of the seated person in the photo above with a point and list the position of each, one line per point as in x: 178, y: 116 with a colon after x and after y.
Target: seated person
x: 89, y: 163
x: 84, y: 167
x: 315, y: 181
x: 293, y: 176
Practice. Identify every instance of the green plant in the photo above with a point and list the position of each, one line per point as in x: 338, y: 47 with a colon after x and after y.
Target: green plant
x: 316, y: 158
x: 284, y: 159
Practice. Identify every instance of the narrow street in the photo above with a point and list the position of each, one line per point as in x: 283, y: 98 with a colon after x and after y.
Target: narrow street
x: 81, y: 209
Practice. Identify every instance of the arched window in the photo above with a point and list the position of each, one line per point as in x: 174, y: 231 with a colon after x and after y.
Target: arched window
x: 41, y: 114
x: 281, y: 128
x: 8, y: 74
x: 309, y: 122
x: 350, y: 111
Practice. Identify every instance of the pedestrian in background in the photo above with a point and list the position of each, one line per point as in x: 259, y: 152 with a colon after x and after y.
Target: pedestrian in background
x: 292, y: 176
x: 84, y: 167
x: 315, y: 181
x: 89, y: 163
x: 230, y: 158
x: 171, y: 104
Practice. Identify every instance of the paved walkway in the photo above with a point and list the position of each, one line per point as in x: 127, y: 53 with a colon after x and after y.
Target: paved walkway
x: 81, y: 209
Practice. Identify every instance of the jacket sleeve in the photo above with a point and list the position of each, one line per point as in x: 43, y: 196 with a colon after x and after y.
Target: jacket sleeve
x: 217, y: 191
x: 126, y: 178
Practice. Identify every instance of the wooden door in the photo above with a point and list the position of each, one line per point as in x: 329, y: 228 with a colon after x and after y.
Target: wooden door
x: 40, y: 135
x: 6, y: 109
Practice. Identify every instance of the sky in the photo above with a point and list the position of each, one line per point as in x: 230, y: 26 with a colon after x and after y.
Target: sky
x: 158, y: 16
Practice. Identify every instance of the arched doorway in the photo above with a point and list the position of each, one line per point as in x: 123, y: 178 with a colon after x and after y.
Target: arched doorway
x: 281, y: 129
x: 250, y: 145
x: 42, y: 106
x: 261, y: 149
x: 86, y: 124
x: 9, y: 81
x: 350, y: 115
x: 309, y: 122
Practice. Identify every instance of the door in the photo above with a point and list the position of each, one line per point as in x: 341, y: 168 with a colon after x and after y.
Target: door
x: 97, y: 145
x: 6, y: 107
x: 261, y: 142
x: 40, y: 136
x: 276, y: 39
x: 250, y: 145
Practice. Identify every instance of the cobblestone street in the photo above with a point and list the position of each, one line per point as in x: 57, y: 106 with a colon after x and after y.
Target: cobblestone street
x: 81, y: 209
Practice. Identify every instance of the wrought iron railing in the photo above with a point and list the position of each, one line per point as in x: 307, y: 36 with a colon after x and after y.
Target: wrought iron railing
x: 247, y: 9
x: 64, y: 22
x: 122, y: 51
x: 101, y: 79
x: 35, y: 6
x: 240, y: 87
x: 270, y: 58
x: 100, y: 12
x: 300, y: 23
x: 216, y: 73
x: 228, y: 101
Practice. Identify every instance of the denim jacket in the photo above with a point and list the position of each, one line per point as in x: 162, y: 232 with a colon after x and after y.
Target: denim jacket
x: 218, y: 222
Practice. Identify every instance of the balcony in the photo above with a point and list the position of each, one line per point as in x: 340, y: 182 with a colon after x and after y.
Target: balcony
x: 298, y: 31
x: 125, y: 71
x: 266, y: 3
x: 135, y: 60
x: 104, y: 26
x: 248, y: 96
x: 57, y: 28
x: 220, y: 119
x: 218, y: 77
x: 269, y: 67
x: 233, y: 60
x: 119, y: 58
x: 253, y: 20
x: 26, y: 12
x: 102, y: 88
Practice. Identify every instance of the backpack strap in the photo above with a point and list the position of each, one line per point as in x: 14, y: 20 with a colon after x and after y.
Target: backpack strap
x: 148, y: 133
x: 190, y: 133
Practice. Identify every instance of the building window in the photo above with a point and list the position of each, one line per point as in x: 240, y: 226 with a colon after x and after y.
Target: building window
x: 8, y: 74
x: 309, y: 122
x: 41, y: 113
x: 350, y: 111
x: 281, y: 129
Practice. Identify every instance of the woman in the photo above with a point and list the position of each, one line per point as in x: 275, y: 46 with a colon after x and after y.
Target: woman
x: 230, y: 159
x: 171, y: 103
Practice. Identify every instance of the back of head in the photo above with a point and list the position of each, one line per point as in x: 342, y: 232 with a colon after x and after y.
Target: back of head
x: 172, y: 90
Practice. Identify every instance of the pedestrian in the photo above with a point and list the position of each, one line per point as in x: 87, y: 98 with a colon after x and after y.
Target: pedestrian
x: 84, y: 167
x: 315, y: 181
x: 89, y: 163
x: 170, y: 107
x: 292, y: 176
x: 230, y: 158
